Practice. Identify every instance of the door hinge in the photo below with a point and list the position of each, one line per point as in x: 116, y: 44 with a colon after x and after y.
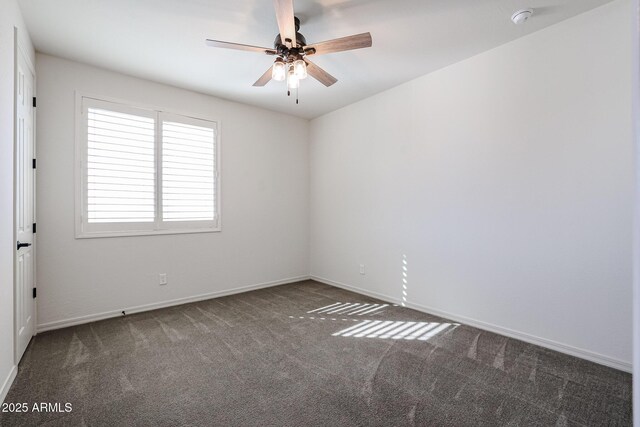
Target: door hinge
x: 34, y: 163
x: 34, y: 228
x: 34, y: 102
x: 34, y: 292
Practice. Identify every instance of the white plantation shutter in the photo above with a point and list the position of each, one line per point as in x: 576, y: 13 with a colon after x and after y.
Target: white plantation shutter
x: 120, y: 167
x: 188, y: 170
x: 144, y: 172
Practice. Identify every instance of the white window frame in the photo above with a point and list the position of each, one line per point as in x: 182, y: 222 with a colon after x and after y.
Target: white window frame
x: 85, y: 229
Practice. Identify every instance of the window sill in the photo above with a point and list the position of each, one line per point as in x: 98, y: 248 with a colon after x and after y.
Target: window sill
x: 102, y: 234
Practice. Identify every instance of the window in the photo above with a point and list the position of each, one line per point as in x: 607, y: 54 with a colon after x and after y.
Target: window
x: 144, y: 171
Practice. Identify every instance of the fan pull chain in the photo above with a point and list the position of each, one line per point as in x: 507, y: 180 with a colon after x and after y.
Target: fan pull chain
x: 297, y: 95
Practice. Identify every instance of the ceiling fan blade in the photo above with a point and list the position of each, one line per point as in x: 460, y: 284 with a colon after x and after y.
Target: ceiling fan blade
x: 286, y: 23
x: 238, y: 46
x: 357, y: 41
x: 319, y: 74
x: 264, y: 79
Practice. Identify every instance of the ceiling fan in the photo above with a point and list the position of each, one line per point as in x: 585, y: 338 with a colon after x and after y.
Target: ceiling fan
x: 292, y: 51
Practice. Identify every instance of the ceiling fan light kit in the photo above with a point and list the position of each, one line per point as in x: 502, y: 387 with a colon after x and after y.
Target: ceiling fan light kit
x: 291, y: 51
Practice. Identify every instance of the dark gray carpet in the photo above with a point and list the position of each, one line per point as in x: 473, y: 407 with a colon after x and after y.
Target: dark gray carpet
x: 275, y: 357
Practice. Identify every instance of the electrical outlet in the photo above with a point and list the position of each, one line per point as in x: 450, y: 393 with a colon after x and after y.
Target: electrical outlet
x: 163, y: 278
x: 361, y: 268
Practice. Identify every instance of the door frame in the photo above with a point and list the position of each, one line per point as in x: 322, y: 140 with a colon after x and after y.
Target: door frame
x: 636, y: 215
x: 18, y: 51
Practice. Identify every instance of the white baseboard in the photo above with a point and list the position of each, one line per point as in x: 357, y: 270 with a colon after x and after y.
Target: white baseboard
x: 6, y: 385
x: 522, y: 336
x: 58, y: 324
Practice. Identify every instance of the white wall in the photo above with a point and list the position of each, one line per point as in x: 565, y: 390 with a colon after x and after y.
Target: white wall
x: 264, y: 193
x: 505, y: 179
x: 10, y: 18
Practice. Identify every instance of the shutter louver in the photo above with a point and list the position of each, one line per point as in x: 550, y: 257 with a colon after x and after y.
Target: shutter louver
x: 188, y: 172
x: 120, y: 167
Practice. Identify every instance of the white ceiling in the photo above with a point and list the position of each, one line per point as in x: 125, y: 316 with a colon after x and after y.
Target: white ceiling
x: 163, y: 40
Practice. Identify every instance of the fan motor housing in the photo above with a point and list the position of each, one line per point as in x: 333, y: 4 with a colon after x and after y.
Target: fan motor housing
x: 301, y: 42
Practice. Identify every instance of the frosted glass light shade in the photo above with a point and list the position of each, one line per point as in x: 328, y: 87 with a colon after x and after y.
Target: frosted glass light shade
x: 279, y: 71
x: 300, y: 69
x: 292, y: 81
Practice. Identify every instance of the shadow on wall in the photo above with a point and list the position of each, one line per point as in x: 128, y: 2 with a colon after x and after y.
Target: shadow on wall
x: 404, y: 281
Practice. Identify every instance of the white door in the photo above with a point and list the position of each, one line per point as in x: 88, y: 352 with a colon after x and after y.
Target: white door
x: 24, y: 198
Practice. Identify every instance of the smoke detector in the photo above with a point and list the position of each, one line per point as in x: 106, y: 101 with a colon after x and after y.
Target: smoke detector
x: 521, y: 16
